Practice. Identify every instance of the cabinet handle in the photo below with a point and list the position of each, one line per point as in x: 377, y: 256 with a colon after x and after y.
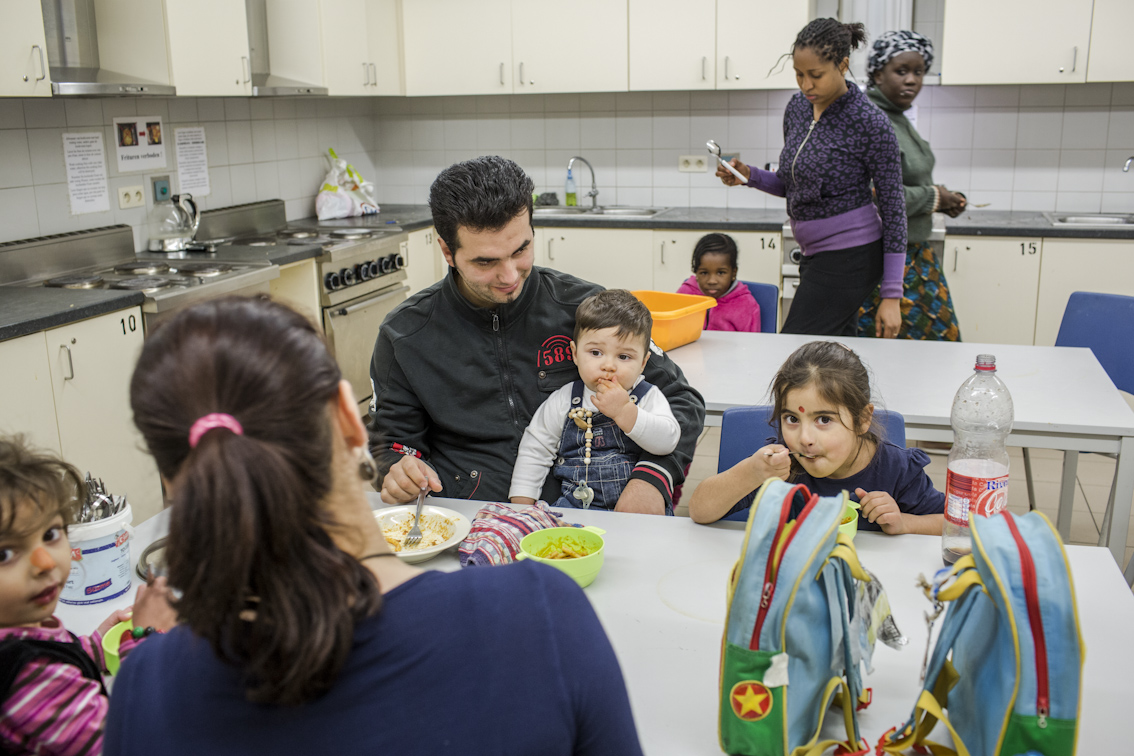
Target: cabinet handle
x: 246, y: 68
x: 502, y: 73
x: 521, y: 73
x: 366, y: 73
x: 70, y: 363
x: 704, y: 62
x: 663, y: 253
x: 42, y: 67
x: 549, y: 255
x: 373, y: 75
x: 1074, y: 59
x: 726, y: 67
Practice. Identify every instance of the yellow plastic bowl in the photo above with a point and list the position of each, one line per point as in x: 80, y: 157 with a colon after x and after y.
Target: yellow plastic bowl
x: 111, y: 641
x: 582, y: 570
x: 678, y: 318
x: 849, y: 528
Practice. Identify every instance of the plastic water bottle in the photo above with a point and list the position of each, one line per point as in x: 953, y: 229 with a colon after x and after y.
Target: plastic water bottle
x: 569, y: 190
x: 977, y: 479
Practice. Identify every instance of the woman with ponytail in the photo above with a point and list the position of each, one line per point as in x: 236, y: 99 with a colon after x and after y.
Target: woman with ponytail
x: 301, y: 632
x: 841, y: 172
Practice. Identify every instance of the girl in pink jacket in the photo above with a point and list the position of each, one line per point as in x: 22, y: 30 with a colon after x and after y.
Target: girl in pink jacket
x: 714, y: 275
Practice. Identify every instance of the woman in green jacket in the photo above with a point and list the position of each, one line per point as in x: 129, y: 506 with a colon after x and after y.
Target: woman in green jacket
x: 895, y: 69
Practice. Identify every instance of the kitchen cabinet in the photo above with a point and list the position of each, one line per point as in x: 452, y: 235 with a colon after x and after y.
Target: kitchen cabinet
x: 384, y: 40
x: 758, y: 259
x: 1069, y: 265
x: 614, y: 258
x: 1110, y: 59
x: 665, y: 55
x: 347, y: 68
x: 23, y: 51
x: 457, y: 47
x: 995, y: 285
x: 27, y: 405
x: 752, y: 36
x: 578, y: 46
x: 91, y: 363
x: 295, y: 46
x: 299, y: 287
x: 425, y: 265
x: 1016, y: 42
x: 208, y: 48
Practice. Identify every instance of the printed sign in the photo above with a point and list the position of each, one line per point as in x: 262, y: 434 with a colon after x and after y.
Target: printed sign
x: 141, y: 146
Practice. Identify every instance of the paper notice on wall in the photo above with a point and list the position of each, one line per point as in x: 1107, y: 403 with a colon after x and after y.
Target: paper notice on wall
x: 86, y: 173
x: 192, y: 161
x: 140, y: 143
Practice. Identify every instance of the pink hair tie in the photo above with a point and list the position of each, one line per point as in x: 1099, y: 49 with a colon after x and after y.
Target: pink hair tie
x: 211, y: 421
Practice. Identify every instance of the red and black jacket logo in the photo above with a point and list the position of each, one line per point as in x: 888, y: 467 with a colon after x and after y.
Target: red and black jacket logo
x: 554, y: 351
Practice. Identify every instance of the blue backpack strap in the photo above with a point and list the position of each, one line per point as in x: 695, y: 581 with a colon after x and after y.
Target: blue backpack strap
x: 577, y: 393
x: 640, y: 390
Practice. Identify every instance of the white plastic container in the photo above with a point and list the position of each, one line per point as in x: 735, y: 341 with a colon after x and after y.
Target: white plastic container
x: 100, y: 560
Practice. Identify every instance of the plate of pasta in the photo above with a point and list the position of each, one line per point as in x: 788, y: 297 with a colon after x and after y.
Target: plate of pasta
x: 441, y: 529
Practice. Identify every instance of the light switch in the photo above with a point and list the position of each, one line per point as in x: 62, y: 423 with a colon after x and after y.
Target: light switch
x: 161, y: 188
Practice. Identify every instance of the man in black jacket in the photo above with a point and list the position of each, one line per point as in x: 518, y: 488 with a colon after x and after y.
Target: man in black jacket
x: 460, y: 367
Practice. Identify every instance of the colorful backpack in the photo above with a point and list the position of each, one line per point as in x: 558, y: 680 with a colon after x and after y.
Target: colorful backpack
x: 789, y: 645
x: 1012, y: 682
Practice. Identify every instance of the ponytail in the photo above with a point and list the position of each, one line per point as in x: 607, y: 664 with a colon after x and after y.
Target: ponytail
x: 830, y: 39
x: 249, y: 546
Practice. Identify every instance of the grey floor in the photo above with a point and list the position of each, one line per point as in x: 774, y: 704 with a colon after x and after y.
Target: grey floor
x: 1092, y: 491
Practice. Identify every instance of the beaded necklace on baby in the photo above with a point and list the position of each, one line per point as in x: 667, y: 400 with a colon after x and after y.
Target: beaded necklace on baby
x: 582, y: 418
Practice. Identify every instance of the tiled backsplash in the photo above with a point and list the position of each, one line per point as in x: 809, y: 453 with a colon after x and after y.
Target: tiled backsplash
x: 1047, y: 147
x: 258, y: 149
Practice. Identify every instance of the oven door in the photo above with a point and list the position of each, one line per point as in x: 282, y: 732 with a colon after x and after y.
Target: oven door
x: 352, y: 329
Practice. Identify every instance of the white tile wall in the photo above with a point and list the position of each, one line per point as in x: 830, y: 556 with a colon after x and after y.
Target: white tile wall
x: 1018, y: 147
x: 258, y: 149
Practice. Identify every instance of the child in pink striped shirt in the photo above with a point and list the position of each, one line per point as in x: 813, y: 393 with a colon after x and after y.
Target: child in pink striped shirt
x: 52, y: 698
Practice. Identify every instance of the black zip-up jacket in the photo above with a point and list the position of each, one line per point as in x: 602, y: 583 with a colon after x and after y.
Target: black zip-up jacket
x: 457, y: 385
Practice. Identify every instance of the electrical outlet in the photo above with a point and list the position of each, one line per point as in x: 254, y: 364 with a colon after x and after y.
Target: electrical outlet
x: 161, y: 188
x: 692, y: 163
x: 131, y: 196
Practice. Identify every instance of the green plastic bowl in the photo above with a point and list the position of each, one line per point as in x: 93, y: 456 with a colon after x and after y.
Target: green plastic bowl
x: 849, y: 528
x: 582, y: 570
x: 111, y: 641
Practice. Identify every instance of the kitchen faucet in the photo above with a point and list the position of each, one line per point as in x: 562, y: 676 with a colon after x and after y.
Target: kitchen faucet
x: 593, y: 193
x: 1129, y: 160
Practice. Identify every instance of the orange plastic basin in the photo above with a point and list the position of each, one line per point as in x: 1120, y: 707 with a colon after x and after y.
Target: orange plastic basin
x: 678, y: 318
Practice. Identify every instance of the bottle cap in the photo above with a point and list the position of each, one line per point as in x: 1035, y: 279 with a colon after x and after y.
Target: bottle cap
x: 985, y: 362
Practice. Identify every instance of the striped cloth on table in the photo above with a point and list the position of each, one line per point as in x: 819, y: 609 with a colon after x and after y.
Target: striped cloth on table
x: 497, y: 531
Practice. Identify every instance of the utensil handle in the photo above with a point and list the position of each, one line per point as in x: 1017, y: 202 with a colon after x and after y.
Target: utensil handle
x: 731, y: 170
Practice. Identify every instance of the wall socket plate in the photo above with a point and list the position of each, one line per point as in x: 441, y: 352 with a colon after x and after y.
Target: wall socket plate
x: 692, y: 163
x: 131, y: 196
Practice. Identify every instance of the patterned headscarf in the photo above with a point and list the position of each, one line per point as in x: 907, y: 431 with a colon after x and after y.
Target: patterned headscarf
x: 895, y: 43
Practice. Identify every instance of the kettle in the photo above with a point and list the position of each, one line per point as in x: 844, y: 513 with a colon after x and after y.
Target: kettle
x: 177, y: 221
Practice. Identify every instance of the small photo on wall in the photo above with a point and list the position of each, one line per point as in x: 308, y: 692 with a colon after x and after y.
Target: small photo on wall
x: 153, y: 132
x: 127, y: 135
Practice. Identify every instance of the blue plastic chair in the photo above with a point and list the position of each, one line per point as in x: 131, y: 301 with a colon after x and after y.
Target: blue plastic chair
x: 746, y: 429
x: 1104, y: 323
x: 768, y: 297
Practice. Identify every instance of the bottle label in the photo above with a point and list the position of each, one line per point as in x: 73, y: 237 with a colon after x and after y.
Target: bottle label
x: 981, y: 496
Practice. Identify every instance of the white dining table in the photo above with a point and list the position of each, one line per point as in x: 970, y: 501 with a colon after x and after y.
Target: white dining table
x: 661, y: 599
x: 1063, y: 399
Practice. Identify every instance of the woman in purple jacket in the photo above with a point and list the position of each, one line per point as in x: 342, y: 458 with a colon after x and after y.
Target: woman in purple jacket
x: 840, y: 158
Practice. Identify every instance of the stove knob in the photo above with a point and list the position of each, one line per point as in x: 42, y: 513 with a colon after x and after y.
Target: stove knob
x: 795, y: 255
x: 375, y: 269
x: 347, y: 274
x: 332, y: 281
x: 362, y: 271
x: 399, y: 261
x: 386, y: 264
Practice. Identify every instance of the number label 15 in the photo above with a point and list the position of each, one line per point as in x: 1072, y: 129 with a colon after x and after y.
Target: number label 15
x: 1027, y: 248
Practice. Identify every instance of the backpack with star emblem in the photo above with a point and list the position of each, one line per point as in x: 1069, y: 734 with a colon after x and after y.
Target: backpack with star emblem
x: 789, y: 648
x: 1005, y: 675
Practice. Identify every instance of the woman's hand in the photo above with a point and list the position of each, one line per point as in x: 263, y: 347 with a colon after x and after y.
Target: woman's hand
x: 152, y: 606
x: 880, y: 508
x: 889, y: 319
x: 951, y: 203
x: 726, y: 176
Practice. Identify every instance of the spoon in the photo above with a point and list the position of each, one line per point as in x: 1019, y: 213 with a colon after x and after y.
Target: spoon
x: 715, y: 151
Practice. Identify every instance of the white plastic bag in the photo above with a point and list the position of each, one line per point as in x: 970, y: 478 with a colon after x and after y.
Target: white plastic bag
x: 344, y: 193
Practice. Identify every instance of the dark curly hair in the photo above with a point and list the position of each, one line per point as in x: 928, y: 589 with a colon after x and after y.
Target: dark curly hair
x: 830, y: 39
x: 716, y: 244
x: 482, y: 194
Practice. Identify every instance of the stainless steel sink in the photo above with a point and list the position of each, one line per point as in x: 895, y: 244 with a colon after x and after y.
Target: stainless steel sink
x: 611, y: 211
x: 1088, y: 220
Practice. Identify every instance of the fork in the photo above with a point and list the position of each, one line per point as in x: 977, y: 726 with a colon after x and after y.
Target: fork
x: 413, y: 537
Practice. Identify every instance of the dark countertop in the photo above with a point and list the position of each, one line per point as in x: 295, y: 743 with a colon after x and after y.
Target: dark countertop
x: 972, y: 223
x: 276, y: 254
x: 28, y: 310
x: 405, y: 217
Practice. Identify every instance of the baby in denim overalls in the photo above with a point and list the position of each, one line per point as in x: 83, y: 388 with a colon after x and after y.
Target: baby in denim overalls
x: 611, y: 401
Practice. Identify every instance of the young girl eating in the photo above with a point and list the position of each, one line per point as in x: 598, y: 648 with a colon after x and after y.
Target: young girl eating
x: 51, y: 684
x: 714, y: 275
x: 821, y: 398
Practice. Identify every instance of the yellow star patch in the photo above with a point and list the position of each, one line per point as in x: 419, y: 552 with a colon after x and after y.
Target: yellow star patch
x: 750, y: 700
